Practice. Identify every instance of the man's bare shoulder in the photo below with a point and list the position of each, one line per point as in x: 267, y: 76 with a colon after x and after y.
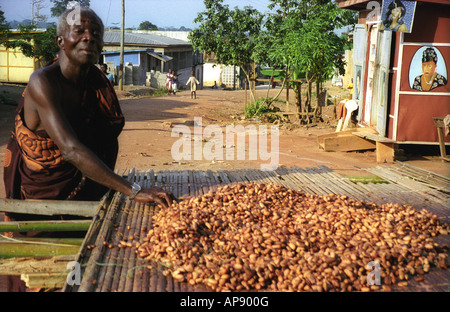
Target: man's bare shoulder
x: 44, y: 80
x: 46, y: 74
x: 44, y: 83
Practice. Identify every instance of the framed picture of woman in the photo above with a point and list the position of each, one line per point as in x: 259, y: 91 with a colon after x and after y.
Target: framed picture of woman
x: 397, y: 15
x: 427, y: 70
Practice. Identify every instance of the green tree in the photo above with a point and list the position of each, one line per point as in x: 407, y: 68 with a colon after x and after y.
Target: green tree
x: 59, y: 6
x: 146, y: 25
x: 229, y: 34
x: 4, y: 26
x: 300, y: 38
x: 39, y: 45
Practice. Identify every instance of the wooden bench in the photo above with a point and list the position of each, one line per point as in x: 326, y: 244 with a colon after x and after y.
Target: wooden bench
x: 384, y: 147
x: 359, y: 139
x: 345, y: 141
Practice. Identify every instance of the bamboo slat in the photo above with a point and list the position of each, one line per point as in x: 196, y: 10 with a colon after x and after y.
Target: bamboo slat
x: 430, y: 193
x: 29, y: 265
x: 290, y: 177
x: 45, y: 226
x: 44, y: 280
x: 11, y: 249
x: 119, y: 269
x: 433, y: 179
x: 49, y: 207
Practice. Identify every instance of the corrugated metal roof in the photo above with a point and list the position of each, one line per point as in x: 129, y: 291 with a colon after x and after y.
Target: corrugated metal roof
x: 127, y: 51
x: 142, y: 39
x: 159, y: 56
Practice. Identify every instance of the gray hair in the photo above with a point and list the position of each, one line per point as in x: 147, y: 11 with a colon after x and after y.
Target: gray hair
x: 63, y: 19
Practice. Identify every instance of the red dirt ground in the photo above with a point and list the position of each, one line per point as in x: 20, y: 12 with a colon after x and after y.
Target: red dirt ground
x: 146, y: 140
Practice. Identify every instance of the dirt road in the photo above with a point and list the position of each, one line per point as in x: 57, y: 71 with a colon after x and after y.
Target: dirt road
x: 148, y: 136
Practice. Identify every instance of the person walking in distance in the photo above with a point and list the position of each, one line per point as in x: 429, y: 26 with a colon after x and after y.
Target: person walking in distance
x: 193, y: 85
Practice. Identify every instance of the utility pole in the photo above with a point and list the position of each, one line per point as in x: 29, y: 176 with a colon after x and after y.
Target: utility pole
x: 122, y: 39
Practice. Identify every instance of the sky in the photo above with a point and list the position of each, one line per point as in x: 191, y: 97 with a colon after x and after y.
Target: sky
x: 162, y: 13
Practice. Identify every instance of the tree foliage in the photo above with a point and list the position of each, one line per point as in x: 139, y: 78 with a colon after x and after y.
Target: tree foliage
x: 3, y: 24
x: 59, y: 6
x: 228, y: 33
x: 146, y: 25
x: 39, y: 45
x: 300, y: 38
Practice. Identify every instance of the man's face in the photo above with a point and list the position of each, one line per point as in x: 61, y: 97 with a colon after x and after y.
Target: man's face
x: 82, y: 43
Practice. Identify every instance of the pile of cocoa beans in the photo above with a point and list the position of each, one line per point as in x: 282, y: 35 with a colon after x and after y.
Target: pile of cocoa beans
x: 266, y: 237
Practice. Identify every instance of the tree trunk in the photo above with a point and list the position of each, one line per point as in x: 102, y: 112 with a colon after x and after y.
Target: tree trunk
x: 246, y: 73
x: 308, y: 97
x: 298, y: 95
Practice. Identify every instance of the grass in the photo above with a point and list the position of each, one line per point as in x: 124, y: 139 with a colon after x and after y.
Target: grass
x: 149, y: 92
x: 260, y: 107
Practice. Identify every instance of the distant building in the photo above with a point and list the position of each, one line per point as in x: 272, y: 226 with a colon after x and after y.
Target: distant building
x: 222, y: 75
x: 148, y: 56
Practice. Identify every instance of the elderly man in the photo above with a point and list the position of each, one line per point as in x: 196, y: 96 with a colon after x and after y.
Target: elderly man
x: 64, y: 144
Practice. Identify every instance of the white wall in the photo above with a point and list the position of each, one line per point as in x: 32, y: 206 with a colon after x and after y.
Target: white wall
x: 215, y: 73
x: 211, y: 74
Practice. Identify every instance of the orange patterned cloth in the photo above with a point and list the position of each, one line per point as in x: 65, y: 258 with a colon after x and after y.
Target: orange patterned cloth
x: 38, y: 153
x: 34, y: 166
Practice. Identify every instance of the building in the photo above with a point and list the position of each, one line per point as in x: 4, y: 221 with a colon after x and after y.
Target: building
x: 148, y: 56
x: 220, y: 75
x: 388, y: 69
x: 16, y: 67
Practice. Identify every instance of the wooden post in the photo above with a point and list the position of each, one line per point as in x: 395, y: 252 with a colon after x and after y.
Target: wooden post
x: 385, y: 152
x: 122, y: 39
x: 439, y: 123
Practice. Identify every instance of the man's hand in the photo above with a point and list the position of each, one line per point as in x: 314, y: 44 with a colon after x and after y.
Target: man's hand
x: 157, y: 195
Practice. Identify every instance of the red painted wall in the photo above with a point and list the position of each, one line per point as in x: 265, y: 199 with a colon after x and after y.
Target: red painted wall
x: 415, y: 112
